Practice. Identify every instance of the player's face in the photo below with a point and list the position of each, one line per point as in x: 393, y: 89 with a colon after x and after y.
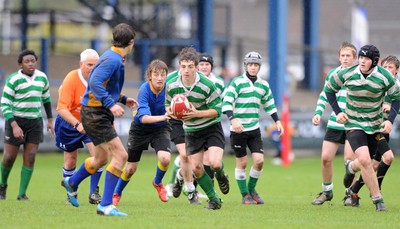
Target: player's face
x: 158, y: 79
x: 188, y: 70
x: 364, y: 64
x: 87, y: 66
x: 205, y: 68
x: 253, y: 69
x: 28, y: 64
x: 391, y: 68
x: 346, y: 57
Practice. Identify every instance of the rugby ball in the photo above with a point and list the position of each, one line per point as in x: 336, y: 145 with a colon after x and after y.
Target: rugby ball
x: 179, y: 105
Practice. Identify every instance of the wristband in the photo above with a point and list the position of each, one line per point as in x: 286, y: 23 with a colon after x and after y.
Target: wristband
x: 77, y: 124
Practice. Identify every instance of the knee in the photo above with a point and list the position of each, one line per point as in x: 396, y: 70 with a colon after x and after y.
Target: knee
x: 258, y: 163
x: 388, y: 157
x: 165, y: 159
x: 326, y: 161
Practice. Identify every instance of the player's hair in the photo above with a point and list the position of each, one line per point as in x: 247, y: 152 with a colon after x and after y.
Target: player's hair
x: 26, y: 52
x: 156, y: 66
x: 123, y: 34
x: 391, y: 59
x: 87, y: 53
x: 348, y: 45
x: 189, y: 54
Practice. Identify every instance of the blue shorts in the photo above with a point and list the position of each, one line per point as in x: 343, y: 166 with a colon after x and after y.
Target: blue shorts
x: 68, y: 139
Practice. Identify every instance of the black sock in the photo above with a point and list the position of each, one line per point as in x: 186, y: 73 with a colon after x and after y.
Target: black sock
x: 381, y: 172
x: 357, y: 185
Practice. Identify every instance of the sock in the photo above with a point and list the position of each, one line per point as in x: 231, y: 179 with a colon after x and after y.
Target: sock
x: 209, y: 171
x: 381, y: 172
x: 84, y: 171
x: 205, y: 183
x: 357, y: 185
x: 240, y: 175
x: 110, y: 181
x: 219, y: 173
x: 26, y: 174
x: 5, y: 173
x: 122, y: 182
x: 190, y: 187
x: 327, y: 187
x: 94, y: 179
x: 253, y: 178
x: 160, y: 172
x: 68, y: 172
x: 174, y: 169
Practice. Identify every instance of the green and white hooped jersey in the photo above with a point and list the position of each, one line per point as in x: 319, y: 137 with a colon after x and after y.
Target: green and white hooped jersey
x: 219, y: 83
x: 24, y: 95
x: 365, y: 96
x: 323, y: 102
x: 203, y: 94
x: 246, y: 99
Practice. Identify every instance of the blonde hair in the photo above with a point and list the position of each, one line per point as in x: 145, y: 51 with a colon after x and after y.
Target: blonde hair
x: 156, y: 65
x: 348, y: 45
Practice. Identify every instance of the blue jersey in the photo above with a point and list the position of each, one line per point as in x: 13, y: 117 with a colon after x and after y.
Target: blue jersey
x: 150, y: 103
x: 106, y: 81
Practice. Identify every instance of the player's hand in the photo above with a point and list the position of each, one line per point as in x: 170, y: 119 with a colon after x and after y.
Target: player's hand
x: 279, y: 127
x: 81, y: 129
x: 237, y: 125
x: 386, y: 127
x: 342, y: 118
x: 50, y: 127
x: 170, y: 114
x: 316, y: 120
x: 386, y: 108
x: 117, y: 110
x: 131, y: 103
x: 17, y: 131
x: 192, y: 112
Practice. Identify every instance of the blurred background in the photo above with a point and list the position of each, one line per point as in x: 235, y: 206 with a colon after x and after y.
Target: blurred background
x: 298, y: 39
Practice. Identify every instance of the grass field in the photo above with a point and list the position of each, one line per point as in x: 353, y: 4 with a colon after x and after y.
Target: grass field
x: 288, y: 192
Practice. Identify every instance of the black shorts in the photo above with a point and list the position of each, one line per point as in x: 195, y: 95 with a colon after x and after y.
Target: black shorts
x: 140, y: 138
x: 98, y: 123
x: 177, y: 132
x: 203, y: 139
x: 32, y: 129
x: 358, y: 138
x: 251, y: 139
x: 336, y: 136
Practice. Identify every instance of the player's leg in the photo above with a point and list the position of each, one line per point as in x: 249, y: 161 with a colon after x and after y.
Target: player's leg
x: 216, y: 142
x: 29, y: 155
x: 138, y: 141
x: 329, y: 150
x: 387, y: 158
x: 33, y: 130
x: 9, y: 156
x: 256, y: 148
x: 94, y: 195
x: 113, y: 172
x: 161, y: 143
x: 164, y: 158
x: 363, y: 144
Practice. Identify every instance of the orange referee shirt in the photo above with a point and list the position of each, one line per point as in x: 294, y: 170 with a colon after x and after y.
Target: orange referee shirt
x: 71, y: 92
